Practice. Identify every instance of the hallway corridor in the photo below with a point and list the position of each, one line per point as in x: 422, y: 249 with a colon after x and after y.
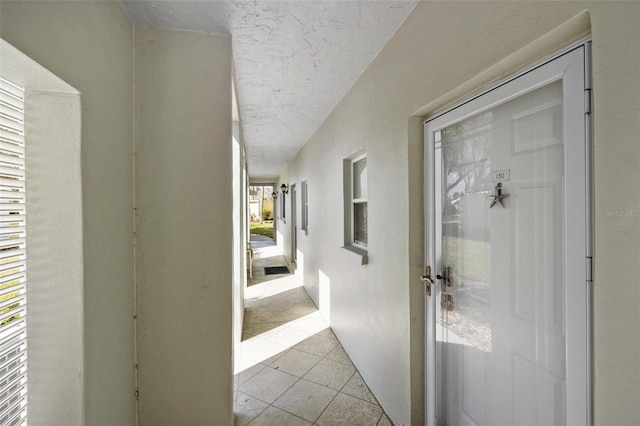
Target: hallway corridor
x: 289, y: 368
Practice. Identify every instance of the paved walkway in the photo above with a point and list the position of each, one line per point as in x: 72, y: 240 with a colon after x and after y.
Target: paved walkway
x: 290, y: 368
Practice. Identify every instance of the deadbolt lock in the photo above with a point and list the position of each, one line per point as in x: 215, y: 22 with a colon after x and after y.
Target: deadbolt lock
x: 445, y: 276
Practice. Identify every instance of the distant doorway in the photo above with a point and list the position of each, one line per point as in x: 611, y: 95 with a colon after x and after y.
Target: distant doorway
x: 261, y: 210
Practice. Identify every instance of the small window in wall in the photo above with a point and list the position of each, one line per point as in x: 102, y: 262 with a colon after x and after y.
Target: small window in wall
x: 359, y: 201
x: 13, y: 257
x: 305, y: 205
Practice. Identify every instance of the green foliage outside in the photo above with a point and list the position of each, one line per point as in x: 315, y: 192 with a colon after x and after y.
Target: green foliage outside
x: 265, y: 228
x: 476, y: 254
x: 8, y: 296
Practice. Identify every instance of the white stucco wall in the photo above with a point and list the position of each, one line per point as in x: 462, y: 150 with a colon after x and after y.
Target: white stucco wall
x: 184, y: 267
x: 239, y: 231
x: 376, y: 310
x: 89, y: 45
x: 54, y: 255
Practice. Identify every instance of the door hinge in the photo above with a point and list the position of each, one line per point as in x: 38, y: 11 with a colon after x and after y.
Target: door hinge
x: 589, y: 269
x: 587, y: 101
x: 137, y: 395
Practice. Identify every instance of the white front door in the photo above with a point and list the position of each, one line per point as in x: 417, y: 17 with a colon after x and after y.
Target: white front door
x: 507, y: 241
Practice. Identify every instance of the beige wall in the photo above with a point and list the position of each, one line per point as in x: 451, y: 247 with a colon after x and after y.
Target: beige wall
x: 184, y: 226
x: 90, y: 46
x: 442, y: 46
x: 239, y: 230
x: 54, y: 289
x: 184, y: 172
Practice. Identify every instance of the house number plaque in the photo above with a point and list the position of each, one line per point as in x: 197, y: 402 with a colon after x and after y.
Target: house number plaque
x: 501, y: 175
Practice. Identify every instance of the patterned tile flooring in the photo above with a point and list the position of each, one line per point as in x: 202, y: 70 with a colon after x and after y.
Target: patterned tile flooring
x: 289, y: 368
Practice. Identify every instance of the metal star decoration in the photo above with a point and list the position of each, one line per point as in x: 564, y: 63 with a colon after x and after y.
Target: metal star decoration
x: 498, y: 197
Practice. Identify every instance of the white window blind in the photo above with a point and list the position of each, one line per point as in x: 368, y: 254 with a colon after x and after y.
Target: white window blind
x: 13, y: 258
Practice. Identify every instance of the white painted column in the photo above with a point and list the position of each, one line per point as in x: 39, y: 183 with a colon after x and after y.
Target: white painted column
x: 184, y: 257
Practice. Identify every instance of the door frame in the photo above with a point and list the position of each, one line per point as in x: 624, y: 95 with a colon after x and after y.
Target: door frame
x: 579, y: 405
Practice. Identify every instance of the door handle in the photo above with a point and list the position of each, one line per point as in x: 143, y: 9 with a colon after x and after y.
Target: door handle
x: 426, y: 279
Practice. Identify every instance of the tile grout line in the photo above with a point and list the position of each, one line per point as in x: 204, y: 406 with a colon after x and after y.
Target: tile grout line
x: 287, y: 390
x: 334, y: 397
x: 303, y: 305
x: 299, y: 378
x: 338, y: 391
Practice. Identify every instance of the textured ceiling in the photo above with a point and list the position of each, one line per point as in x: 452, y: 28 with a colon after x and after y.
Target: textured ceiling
x: 294, y: 60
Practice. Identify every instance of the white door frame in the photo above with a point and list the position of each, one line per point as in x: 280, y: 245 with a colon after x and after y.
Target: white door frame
x: 574, y: 68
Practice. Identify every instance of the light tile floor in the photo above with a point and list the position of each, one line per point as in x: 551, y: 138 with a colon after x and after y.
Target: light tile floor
x: 290, y: 368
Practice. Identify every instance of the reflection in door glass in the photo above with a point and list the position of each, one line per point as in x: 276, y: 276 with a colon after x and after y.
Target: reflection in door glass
x: 465, y: 234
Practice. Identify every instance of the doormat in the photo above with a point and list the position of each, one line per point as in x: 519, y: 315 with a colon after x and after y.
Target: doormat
x: 274, y: 270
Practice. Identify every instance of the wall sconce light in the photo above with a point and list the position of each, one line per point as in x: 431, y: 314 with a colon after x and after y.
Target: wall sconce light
x: 274, y: 195
x: 284, y: 189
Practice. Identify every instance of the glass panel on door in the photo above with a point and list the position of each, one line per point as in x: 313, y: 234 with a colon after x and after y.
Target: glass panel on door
x: 500, y: 336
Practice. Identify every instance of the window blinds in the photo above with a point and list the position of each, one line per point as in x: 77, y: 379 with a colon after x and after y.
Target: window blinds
x: 13, y: 265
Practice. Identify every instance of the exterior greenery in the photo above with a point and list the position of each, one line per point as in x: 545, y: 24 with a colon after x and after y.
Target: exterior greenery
x: 265, y: 228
